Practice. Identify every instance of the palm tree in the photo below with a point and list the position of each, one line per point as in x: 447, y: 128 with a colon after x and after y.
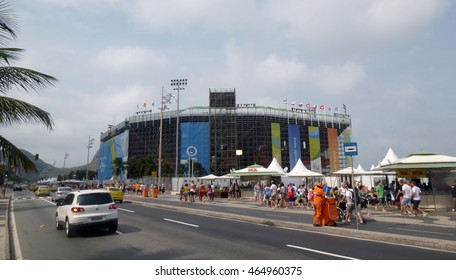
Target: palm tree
x: 13, y: 111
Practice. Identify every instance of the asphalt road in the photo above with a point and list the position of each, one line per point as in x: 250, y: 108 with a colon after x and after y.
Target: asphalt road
x: 161, y: 233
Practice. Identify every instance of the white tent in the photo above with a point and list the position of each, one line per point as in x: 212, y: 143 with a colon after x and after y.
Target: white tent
x: 254, y: 171
x: 275, y: 166
x: 209, y: 177
x: 300, y: 170
x: 390, y: 158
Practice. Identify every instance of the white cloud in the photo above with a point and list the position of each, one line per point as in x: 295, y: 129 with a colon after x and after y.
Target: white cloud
x: 129, y: 58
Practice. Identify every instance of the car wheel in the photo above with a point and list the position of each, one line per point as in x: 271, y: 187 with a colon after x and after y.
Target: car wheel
x: 112, y: 228
x: 57, y: 223
x: 69, y: 231
x: 120, y: 201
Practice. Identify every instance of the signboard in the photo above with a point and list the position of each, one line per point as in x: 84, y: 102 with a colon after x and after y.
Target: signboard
x: 350, y: 149
x: 411, y: 173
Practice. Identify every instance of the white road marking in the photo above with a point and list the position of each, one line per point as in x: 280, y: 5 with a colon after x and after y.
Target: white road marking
x: 126, y: 210
x: 179, y: 222
x: 321, y: 252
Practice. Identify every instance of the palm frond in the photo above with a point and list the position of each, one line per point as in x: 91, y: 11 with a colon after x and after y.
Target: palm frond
x: 8, y: 22
x: 14, y: 157
x: 23, y: 78
x: 17, y: 111
x: 9, y: 54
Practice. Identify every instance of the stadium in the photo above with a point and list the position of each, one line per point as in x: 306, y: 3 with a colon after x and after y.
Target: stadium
x: 226, y: 135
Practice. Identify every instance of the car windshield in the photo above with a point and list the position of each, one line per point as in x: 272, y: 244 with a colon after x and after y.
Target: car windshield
x: 65, y: 189
x: 94, y: 198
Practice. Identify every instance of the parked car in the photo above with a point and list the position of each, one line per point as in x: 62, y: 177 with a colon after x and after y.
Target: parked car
x: 42, y: 191
x: 17, y: 188
x: 116, y: 193
x: 60, y: 193
x: 86, y: 209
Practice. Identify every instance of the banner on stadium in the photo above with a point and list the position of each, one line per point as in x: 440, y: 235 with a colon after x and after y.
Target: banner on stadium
x: 195, y: 143
x: 294, y: 145
x: 276, y: 149
x: 115, y: 147
x: 315, y: 149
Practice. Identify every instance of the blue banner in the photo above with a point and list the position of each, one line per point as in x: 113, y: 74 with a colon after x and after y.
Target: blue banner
x: 295, y: 144
x: 195, y: 143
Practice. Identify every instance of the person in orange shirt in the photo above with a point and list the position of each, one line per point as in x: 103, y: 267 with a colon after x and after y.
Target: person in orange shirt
x: 318, y: 202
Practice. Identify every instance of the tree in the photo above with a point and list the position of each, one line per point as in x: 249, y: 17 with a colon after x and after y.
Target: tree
x: 13, y: 111
x: 118, y: 168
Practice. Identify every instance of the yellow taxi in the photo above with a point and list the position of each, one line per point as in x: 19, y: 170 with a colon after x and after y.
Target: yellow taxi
x: 42, y: 191
x: 116, y: 194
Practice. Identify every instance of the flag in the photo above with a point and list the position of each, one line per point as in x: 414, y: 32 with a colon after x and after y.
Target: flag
x: 308, y: 105
x: 145, y: 105
x: 285, y: 101
x: 336, y: 109
x: 293, y: 103
x: 322, y: 107
x: 315, y: 106
x: 301, y: 104
x: 137, y: 106
x: 329, y: 108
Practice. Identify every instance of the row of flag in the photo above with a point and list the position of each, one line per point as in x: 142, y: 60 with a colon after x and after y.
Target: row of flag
x: 309, y: 106
x: 145, y: 105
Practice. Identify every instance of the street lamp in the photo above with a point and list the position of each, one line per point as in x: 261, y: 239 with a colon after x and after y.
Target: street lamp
x: 89, y: 145
x: 166, y: 100
x: 64, y: 161
x: 238, y: 154
x: 178, y: 83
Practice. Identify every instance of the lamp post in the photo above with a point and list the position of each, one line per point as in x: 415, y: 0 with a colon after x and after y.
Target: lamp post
x: 64, y: 162
x: 178, y: 83
x: 89, y: 145
x: 238, y: 154
x: 166, y: 100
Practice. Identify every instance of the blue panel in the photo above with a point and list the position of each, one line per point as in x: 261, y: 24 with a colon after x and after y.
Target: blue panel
x: 294, y: 144
x: 195, y: 138
x: 116, y: 147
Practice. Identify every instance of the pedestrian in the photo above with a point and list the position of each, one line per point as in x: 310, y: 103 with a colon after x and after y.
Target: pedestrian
x: 362, y: 199
x: 406, y: 197
x: 267, y: 194
x: 257, y: 192
x: 350, y: 205
x: 453, y: 195
x: 380, y: 192
x: 273, y: 198
x: 416, y: 199
x: 310, y: 197
x: 318, y: 204
x: 291, y: 195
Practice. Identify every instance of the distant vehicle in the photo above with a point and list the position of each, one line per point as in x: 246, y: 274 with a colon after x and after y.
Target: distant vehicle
x: 60, y: 193
x: 116, y: 193
x: 17, y: 188
x: 43, y: 191
x: 86, y: 209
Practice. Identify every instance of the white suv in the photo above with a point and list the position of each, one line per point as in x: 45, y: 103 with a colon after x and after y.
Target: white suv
x: 86, y: 209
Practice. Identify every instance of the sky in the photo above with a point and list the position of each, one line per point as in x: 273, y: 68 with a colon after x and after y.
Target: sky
x: 391, y: 62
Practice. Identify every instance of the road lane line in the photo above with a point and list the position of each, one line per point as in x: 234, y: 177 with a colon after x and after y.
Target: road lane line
x: 321, y: 252
x: 126, y: 210
x: 423, y: 231
x: 179, y: 222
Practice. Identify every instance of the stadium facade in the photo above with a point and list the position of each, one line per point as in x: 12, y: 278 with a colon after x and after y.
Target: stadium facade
x: 226, y: 135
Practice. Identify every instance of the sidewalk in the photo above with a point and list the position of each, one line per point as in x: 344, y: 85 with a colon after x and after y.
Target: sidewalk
x: 4, y: 232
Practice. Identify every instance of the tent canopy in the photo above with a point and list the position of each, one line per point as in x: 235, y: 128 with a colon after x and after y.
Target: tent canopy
x: 423, y: 161
x: 209, y: 177
x: 300, y: 170
x: 254, y: 171
x: 275, y: 166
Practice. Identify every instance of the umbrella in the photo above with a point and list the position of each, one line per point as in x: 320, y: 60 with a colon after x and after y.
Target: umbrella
x: 300, y: 170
